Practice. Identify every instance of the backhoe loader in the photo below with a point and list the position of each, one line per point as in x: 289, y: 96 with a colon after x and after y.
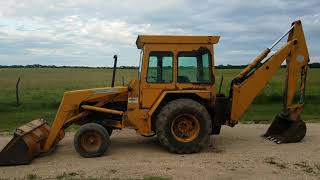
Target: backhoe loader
x: 174, y: 98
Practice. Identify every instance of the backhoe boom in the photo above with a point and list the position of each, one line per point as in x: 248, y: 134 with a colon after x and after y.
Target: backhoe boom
x: 287, y: 126
x: 248, y: 84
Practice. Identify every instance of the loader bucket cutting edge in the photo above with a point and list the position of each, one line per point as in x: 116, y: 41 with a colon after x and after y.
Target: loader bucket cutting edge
x: 26, y: 144
x: 284, y: 130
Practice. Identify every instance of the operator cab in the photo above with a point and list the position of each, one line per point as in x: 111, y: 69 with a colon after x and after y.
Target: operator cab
x: 171, y: 63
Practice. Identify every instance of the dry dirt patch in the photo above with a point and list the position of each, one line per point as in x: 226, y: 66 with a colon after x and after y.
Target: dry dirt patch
x: 238, y: 153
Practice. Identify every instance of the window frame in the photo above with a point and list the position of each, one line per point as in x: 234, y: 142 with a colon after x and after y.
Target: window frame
x: 206, y: 50
x: 172, y: 71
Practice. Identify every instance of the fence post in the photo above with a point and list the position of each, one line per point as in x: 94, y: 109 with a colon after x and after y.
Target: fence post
x: 17, y: 92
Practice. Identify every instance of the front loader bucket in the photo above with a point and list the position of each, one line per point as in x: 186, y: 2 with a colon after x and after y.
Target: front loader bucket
x: 26, y: 144
x: 284, y: 130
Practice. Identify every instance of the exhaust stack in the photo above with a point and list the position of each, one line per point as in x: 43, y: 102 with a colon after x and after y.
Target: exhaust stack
x: 115, y: 57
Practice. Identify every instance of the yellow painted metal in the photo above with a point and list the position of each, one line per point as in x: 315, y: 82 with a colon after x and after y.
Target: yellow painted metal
x: 185, y: 128
x: 104, y: 110
x: 246, y: 92
x: 204, y: 94
x: 297, y: 63
x: 254, y: 63
x: 296, y: 55
x: 165, y: 39
x: 70, y: 106
x: 138, y: 120
x: 145, y: 97
x: 150, y: 92
x: 76, y: 117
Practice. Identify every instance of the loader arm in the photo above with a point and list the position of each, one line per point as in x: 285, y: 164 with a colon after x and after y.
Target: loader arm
x: 37, y: 137
x: 246, y: 86
x: 71, y: 102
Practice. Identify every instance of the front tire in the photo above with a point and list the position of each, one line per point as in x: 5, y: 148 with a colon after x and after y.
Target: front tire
x: 183, y: 126
x: 91, y: 140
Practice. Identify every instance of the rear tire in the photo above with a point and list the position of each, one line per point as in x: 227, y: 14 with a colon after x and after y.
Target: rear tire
x: 91, y: 140
x: 183, y: 126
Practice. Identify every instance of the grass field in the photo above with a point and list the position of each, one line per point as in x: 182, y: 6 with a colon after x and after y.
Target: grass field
x: 42, y: 88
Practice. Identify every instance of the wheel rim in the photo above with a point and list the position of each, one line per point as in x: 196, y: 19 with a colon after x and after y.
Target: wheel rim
x: 185, y: 128
x: 90, y: 141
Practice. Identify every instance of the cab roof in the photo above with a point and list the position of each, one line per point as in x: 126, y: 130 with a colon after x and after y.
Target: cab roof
x: 170, y: 39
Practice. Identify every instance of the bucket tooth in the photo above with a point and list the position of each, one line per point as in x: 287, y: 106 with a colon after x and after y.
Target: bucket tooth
x: 284, y: 130
x: 26, y: 144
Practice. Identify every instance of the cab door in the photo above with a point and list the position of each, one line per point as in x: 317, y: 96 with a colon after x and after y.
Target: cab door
x: 157, y: 73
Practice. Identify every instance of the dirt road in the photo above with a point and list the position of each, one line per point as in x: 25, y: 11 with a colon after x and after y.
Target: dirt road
x: 238, y: 153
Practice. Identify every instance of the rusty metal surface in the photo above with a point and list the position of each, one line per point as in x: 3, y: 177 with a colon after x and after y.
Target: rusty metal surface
x: 15, y: 153
x: 284, y: 130
x: 113, y: 123
x: 104, y: 110
x: 26, y: 144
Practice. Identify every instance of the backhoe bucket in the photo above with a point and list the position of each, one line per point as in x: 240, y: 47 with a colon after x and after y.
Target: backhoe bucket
x: 284, y: 130
x: 26, y: 144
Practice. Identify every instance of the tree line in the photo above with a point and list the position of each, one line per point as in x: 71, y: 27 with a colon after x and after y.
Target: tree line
x: 54, y: 66
x: 228, y: 66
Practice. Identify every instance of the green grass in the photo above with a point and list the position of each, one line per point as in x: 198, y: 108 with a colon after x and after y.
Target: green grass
x: 42, y: 88
x: 156, y: 178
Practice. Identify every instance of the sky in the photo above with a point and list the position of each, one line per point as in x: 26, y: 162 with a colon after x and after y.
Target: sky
x: 90, y: 32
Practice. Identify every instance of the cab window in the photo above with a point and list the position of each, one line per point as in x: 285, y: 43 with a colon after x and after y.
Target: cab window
x: 194, y: 67
x: 160, y: 67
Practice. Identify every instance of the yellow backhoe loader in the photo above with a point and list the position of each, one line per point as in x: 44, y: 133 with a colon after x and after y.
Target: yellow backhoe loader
x: 174, y: 98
